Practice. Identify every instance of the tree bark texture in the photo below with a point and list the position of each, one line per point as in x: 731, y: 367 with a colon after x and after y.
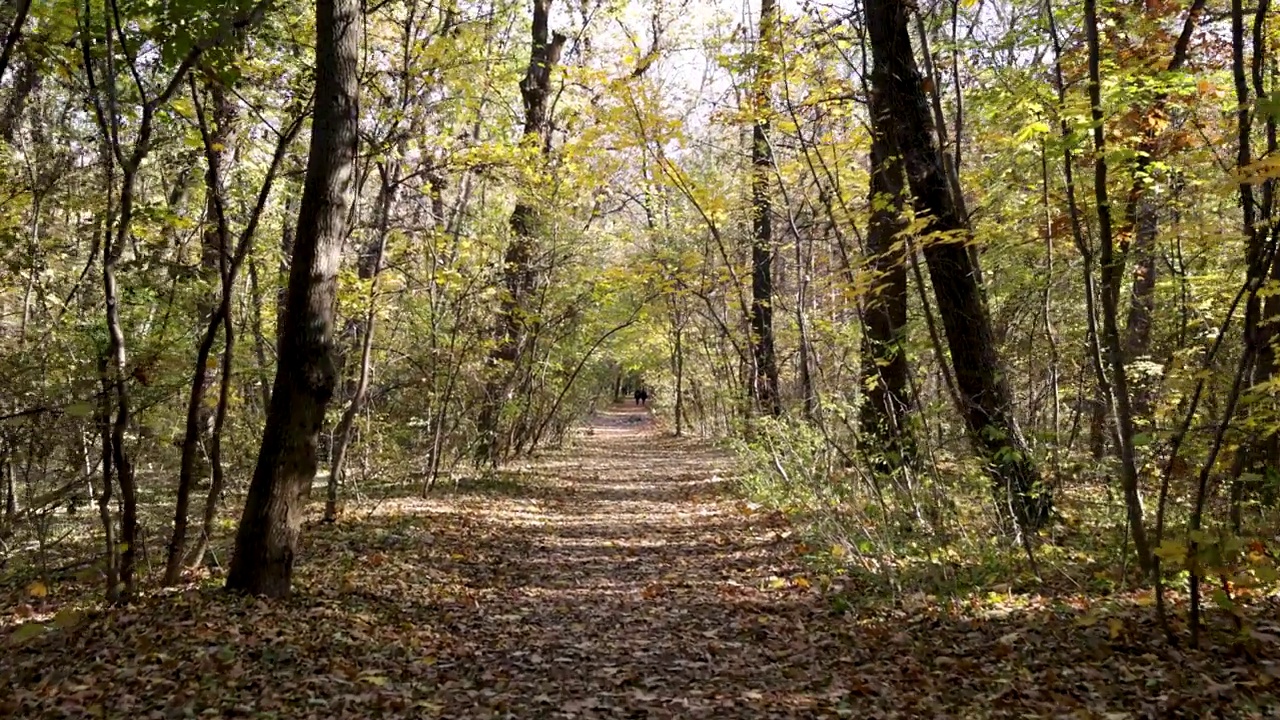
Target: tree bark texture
x: 519, y: 273
x: 884, y: 312
x: 1111, y: 264
x: 269, y: 526
x: 987, y: 401
x: 764, y: 376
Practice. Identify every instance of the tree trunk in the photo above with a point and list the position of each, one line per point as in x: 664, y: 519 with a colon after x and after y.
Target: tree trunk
x: 884, y: 312
x: 26, y: 82
x: 677, y: 360
x: 519, y: 276
x: 269, y: 526
x: 370, y: 269
x: 1112, y: 266
x: 10, y: 487
x: 21, y: 9
x: 102, y: 417
x: 213, y: 266
x: 987, y: 402
x: 1261, y: 452
x: 1143, y: 225
x: 764, y: 376
x: 257, y: 301
x: 1142, y: 300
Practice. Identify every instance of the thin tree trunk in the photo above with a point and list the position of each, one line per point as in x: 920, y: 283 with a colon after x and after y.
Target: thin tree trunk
x: 228, y: 262
x: 1099, y: 406
x: 1142, y: 222
x: 26, y: 82
x: 10, y: 484
x: 110, y: 557
x: 980, y: 374
x: 214, y: 247
x: 764, y: 377
x: 1112, y: 267
x: 1261, y: 452
x: 677, y: 361
x: 372, y: 270
x: 267, y: 539
x: 256, y: 300
x: 21, y: 9
x: 217, y: 480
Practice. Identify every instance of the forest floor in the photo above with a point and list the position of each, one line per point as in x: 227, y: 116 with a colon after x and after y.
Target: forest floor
x: 618, y: 579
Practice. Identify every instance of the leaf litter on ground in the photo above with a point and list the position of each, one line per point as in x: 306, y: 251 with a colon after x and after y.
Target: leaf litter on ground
x: 622, y: 580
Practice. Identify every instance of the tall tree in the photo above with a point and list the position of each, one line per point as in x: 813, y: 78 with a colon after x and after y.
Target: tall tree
x: 1261, y: 232
x: 267, y: 539
x: 1112, y: 266
x: 764, y: 371
x: 884, y: 312
x: 213, y: 259
x: 1141, y: 218
x: 981, y: 378
x: 519, y: 274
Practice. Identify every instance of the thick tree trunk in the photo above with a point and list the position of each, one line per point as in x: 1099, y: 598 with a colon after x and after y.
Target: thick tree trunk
x: 987, y: 401
x: 269, y: 526
x: 884, y: 312
x: 519, y: 276
x: 764, y: 376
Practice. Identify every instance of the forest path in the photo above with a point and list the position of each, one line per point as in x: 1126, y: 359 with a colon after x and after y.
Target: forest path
x: 618, y: 578
x: 630, y: 584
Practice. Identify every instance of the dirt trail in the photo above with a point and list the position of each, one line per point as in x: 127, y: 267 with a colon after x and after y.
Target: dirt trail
x: 616, y: 579
x: 632, y: 587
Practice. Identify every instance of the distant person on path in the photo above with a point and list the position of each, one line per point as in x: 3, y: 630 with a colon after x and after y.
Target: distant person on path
x: 641, y: 397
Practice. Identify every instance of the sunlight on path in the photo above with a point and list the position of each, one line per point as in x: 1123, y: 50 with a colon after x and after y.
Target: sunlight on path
x: 640, y: 590
x: 618, y: 578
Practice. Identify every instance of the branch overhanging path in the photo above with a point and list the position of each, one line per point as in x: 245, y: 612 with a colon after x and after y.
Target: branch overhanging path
x: 620, y: 578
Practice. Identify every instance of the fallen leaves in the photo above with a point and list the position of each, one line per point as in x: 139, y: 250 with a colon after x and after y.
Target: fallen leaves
x: 609, y: 590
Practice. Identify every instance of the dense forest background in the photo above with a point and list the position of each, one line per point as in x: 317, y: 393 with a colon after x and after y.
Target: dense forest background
x: 982, y: 292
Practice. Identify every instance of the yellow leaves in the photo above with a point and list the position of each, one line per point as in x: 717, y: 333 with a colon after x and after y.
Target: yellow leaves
x: 183, y: 106
x: 1172, y: 551
x: 37, y: 589
x: 1265, y: 169
x: 1089, y: 619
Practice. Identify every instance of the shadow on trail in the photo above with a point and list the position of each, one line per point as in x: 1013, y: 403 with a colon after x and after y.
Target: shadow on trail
x: 621, y: 581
